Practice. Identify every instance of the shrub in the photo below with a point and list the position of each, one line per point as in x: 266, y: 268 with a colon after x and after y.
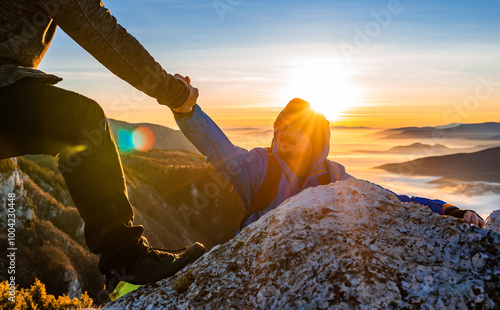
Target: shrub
x: 7, y: 165
x: 36, y: 297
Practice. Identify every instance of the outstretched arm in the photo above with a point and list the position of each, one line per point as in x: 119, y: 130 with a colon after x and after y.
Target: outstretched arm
x: 444, y: 208
x: 94, y: 28
x: 244, y: 169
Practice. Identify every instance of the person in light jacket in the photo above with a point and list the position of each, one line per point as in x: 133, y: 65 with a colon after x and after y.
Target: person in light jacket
x: 296, y: 160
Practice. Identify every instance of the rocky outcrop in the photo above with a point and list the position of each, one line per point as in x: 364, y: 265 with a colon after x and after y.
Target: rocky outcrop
x: 348, y: 245
x: 482, y: 166
x: 493, y: 221
x: 42, y: 249
x: 11, y: 183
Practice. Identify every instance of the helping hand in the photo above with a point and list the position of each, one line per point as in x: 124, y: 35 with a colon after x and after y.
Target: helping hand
x: 188, y: 105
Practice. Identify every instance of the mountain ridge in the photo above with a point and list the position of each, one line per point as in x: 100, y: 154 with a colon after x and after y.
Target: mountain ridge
x: 477, y: 166
x: 480, y: 131
x: 164, y: 137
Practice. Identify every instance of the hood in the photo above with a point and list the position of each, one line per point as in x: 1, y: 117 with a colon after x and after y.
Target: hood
x: 318, y: 129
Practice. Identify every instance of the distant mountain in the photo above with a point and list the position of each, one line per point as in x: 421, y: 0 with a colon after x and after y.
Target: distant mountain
x: 448, y: 126
x: 164, y: 138
x: 415, y: 147
x: 423, y: 150
x: 180, y: 198
x: 479, y: 166
x: 481, y: 131
x: 349, y: 127
x: 467, y: 188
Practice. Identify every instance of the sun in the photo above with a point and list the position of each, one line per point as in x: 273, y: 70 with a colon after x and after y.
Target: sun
x: 325, y: 84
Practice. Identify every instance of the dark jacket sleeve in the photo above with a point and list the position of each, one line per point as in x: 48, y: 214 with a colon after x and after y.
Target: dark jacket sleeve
x: 97, y: 31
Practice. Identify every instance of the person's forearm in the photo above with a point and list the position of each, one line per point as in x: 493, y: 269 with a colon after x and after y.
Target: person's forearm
x: 206, y: 136
x: 97, y: 31
x: 242, y: 168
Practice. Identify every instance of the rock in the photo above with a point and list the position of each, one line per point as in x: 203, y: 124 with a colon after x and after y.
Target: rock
x: 348, y: 245
x: 21, y: 231
x: 12, y: 185
x: 493, y: 221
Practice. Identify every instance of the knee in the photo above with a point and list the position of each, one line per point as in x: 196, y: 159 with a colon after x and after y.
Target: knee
x: 94, y: 117
x: 92, y: 126
x: 90, y: 135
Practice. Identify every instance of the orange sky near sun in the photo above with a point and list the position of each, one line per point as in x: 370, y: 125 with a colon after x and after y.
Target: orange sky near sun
x: 347, y: 95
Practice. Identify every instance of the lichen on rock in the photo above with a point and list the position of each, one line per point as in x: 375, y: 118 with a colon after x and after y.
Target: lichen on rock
x: 346, y: 245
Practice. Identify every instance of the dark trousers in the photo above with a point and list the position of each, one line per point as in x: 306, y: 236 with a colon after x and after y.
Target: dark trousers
x: 36, y: 118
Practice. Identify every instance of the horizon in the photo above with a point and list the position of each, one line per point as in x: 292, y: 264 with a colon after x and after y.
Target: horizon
x: 382, y: 64
x: 333, y: 126
x: 361, y: 151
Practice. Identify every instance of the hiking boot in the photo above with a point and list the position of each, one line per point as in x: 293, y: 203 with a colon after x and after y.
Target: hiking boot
x: 153, y: 266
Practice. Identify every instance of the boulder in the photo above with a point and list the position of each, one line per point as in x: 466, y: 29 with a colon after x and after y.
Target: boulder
x: 493, y: 221
x: 347, y: 245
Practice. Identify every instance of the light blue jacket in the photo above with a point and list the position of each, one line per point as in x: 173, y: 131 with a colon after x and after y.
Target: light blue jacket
x: 246, y: 170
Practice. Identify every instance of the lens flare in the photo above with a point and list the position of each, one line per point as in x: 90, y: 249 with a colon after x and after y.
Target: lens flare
x: 125, y: 139
x: 141, y: 138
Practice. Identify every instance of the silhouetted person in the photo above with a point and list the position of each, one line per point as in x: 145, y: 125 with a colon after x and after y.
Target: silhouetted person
x: 39, y: 118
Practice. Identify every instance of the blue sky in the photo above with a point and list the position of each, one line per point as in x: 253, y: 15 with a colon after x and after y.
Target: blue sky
x: 430, y: 53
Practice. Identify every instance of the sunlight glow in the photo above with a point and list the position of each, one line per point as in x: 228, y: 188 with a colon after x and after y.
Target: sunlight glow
x: 325, y: 84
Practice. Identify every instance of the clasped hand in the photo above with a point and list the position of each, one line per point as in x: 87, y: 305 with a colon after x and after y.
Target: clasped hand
x: 188, y: 105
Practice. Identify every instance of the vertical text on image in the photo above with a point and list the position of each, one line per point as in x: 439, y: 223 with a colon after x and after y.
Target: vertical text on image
x: 11, y: 243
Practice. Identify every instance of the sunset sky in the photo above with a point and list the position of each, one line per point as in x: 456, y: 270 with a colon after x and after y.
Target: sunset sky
x: 363, y: 63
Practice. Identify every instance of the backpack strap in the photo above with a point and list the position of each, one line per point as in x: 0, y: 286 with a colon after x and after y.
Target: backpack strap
x: 324, y: 179
x: 268, y: 190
